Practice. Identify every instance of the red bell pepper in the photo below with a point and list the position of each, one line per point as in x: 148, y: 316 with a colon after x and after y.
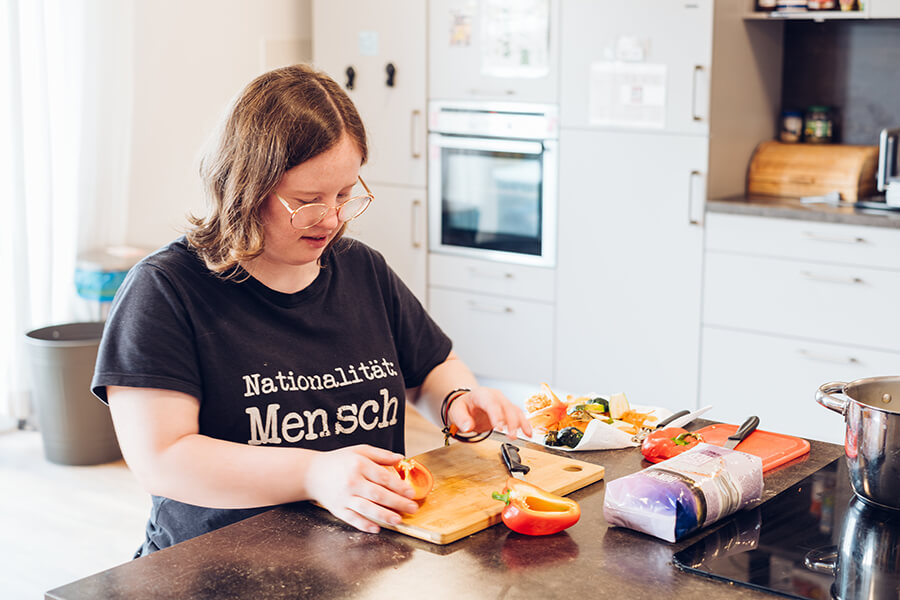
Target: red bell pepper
x: 417, y: 475
x: 533, y: 511
x: 666, y: 443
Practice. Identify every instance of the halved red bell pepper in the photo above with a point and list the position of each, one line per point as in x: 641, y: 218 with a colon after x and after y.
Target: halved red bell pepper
x: 668, y: 442
x: 533, y: 511
x: 417, y: 475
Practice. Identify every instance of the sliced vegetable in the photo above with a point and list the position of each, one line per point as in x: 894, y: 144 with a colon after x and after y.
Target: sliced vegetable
x: 531, y: 510
x: 666, y: 443
x: 553, y: 409
x: 618, y: 405
x: 417, y: 475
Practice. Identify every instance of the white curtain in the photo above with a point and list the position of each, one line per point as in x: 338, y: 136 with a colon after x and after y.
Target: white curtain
x: 65, y: 122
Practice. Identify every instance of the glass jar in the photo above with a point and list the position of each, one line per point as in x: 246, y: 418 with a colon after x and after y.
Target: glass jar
x: 818, y: 125
x: 791, y: 126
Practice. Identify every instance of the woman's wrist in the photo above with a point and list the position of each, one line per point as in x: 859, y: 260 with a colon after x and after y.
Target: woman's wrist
x: 451, y: 430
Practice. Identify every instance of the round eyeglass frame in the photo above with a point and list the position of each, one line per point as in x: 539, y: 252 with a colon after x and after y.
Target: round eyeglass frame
x: 322, y: 209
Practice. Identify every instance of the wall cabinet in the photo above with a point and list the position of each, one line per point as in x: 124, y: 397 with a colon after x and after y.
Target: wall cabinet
x: 506, y: 51
x: 798, y: 303
x: 388, y: 86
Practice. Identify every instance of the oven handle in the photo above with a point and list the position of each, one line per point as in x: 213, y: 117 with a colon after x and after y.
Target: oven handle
x: 489, y: 144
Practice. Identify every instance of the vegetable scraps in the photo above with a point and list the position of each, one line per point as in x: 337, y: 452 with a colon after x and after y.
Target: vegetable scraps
x: 668, y: 442
x: 531, y: 510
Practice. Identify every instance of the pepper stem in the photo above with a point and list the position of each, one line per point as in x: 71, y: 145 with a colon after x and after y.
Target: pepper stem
x: 501, y: 497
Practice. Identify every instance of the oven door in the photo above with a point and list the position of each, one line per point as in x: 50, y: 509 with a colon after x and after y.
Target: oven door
x: 493, y: 199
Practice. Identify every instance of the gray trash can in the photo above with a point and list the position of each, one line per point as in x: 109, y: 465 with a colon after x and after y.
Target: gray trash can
x: 75, y: 426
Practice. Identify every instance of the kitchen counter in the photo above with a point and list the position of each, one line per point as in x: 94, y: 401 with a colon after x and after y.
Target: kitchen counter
x: 792, y: 208
x: 301, y: 551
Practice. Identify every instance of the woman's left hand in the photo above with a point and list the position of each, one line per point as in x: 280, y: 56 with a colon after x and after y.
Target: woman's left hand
x: 484, y: 409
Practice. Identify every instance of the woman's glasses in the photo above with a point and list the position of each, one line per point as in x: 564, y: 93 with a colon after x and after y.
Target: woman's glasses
x: 310, y: 215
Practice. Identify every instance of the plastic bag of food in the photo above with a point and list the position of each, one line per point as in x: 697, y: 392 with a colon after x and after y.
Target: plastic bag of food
x: 678, y: 496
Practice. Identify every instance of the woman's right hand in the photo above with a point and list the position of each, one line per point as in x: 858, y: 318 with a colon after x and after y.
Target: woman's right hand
x: 353, y: 484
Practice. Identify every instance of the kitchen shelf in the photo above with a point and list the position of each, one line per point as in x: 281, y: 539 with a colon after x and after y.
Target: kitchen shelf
x: 818, y: 16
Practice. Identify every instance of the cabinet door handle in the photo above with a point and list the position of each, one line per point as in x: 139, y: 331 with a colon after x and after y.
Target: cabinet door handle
x: 693, y: 218
x: 416, y: 238
x: 840, y: 239
x: 842, y: 360
x: 694, y: 113
x: 490, y: 274
x: 832, y: 278
x: 479, y: 92
x: 490, y: 308
x: 414, y: 119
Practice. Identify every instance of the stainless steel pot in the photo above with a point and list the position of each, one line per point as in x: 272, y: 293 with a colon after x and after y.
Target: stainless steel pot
x: 871, y: 409
x: 865, y: 563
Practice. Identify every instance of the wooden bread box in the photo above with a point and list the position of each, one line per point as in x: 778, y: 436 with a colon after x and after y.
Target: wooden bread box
x: 797, y: 170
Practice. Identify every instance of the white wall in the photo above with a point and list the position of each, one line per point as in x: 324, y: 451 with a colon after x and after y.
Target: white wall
x: 191, y: 57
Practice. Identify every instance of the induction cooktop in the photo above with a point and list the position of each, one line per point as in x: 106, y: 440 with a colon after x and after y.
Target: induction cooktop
x: 771, y: 546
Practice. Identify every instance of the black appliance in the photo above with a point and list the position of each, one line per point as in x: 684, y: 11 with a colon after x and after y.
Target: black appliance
x: 815, y: 540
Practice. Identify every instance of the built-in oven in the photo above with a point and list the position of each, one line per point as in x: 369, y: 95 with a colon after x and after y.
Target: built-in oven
x: 492, y: 181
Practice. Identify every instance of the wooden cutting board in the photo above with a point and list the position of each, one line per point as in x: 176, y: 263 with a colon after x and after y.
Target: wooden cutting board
x: 465, y: 475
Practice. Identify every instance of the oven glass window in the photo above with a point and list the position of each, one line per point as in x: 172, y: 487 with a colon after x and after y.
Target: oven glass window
x: 491, y: 200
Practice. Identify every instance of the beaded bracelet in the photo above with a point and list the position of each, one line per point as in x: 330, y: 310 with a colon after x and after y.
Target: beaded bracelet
x: 452, y: 430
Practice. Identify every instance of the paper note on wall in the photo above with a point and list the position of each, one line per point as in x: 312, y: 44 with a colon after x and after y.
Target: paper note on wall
x: 626, y: 94
x: 515, y: 36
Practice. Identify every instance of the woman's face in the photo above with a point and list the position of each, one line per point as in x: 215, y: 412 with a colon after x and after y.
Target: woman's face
x: 327, y: 179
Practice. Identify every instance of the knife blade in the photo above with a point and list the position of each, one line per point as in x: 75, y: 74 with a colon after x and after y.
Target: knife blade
x: 513, y: 462
x: 742, y: 432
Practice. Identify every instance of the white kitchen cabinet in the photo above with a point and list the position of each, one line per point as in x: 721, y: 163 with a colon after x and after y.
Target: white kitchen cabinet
x: 632, y: 195
x: 395, y: 225
x: 883, y: 9
x: 506, y: 51
x: 503, y: 338
x: 369, y: 36
x: 637, y: 64
x: 789, y: 305
x: 628, y: 278
x: 776, y: 378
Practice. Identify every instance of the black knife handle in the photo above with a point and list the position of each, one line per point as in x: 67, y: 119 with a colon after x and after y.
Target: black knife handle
x: 511, y: 459
x: 671, y: 418
x: 745, y: 429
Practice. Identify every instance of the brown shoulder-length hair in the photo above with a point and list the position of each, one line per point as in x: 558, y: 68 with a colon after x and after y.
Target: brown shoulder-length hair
x: 280, y: 120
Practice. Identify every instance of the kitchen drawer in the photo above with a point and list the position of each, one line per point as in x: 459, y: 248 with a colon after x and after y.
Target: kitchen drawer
x: 499, y: 338
x: 834, y: 303
x: 877, y: 247
x: 776, y: 378
x: 490, y: 277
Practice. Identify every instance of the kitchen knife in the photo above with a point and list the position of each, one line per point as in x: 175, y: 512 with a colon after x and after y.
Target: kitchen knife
x: 512, y: 461
x: 743, y: 431
x: 645, y: 431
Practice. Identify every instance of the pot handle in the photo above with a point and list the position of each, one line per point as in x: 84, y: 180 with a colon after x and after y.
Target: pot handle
x: 824, y: 397
x: 822, y: 560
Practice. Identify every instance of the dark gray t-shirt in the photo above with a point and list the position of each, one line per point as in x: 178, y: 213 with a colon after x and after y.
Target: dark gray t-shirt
x: 324, y: 368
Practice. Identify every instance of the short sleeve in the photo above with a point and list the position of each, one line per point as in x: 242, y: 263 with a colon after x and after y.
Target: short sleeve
x: 147, y: 341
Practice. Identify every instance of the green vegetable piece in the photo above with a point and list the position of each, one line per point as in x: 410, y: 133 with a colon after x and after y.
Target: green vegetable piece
x: 569, y: 436
x: 551, y: 439
x: 603, y: 403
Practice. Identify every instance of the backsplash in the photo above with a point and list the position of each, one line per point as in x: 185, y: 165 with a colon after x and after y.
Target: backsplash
x: 848, y: 65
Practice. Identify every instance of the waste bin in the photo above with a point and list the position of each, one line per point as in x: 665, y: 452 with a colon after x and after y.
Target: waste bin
x: 75, y: 426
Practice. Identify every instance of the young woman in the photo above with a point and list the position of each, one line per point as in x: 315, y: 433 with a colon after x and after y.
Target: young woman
x: 263, y: 359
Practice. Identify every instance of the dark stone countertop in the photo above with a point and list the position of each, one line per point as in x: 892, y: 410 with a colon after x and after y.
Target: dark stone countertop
x: 792, y: 208
x: 301, y: 551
